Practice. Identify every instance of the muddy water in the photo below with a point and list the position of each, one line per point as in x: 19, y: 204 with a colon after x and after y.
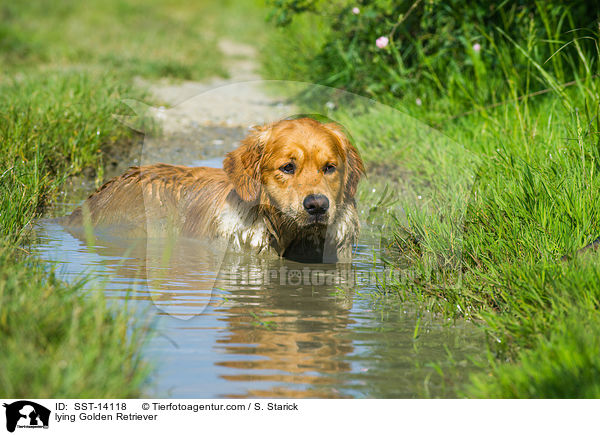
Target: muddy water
x: 233, y: 325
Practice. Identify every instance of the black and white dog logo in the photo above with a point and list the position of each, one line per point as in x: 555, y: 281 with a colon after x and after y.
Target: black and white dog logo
x: 26, y: 414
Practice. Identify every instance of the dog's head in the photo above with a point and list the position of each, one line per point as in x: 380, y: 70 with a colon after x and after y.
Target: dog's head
x: 301, y: 168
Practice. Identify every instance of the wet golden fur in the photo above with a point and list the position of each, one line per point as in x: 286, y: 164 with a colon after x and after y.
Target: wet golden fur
x: 251, y: 201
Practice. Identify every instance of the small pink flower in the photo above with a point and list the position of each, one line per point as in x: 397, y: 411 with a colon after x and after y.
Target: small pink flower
x: 477, y: 47
x: 418, y: 101
x: 382, y: 42
x: 355, y: 11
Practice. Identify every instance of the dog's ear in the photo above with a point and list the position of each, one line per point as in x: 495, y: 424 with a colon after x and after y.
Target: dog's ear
x: 243, y: 164
x: 355, y: 168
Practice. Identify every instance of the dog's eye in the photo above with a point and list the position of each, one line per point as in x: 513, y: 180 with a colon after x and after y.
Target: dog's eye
x: 288, y: 169
x: 329, y: 169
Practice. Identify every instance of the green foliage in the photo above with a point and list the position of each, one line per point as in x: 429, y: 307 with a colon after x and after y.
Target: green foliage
x: 534, y: 200
x: 472, y: 53
x: 148, y: 38
x: 552, y: 319
x: 52, y: 126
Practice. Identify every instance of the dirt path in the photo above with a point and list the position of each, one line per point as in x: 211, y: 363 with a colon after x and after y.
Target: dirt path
x: 204, y: 120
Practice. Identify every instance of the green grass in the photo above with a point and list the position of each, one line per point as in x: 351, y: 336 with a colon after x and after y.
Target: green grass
x: 53, y: 125
x: 152, y: 39
x: 56, y: 339
x: 534, y: 197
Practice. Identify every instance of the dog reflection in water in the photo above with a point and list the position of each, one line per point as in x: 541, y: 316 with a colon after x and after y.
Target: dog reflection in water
x: 282, y: 324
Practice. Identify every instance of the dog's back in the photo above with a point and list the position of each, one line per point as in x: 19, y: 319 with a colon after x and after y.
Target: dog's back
x: 152, y: 197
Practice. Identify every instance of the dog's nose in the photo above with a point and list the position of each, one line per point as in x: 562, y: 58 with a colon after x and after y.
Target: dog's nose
x: 316, y: 204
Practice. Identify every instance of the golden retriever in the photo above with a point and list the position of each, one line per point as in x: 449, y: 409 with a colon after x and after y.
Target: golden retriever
x: 288, y: 189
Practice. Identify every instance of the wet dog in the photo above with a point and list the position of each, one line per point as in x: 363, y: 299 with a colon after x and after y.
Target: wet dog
x: 288, y: 189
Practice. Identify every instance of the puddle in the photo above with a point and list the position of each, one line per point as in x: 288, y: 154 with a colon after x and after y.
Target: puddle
x: 256, y: 327
x: 271, y: 328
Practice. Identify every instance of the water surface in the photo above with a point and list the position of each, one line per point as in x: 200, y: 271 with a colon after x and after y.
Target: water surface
x: 233, y: 325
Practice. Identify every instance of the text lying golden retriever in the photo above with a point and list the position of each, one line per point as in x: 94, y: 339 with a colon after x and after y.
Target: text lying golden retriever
x: 289, y: 189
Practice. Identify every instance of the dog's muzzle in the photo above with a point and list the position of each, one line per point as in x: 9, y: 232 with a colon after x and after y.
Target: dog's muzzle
x: 316, y: 205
